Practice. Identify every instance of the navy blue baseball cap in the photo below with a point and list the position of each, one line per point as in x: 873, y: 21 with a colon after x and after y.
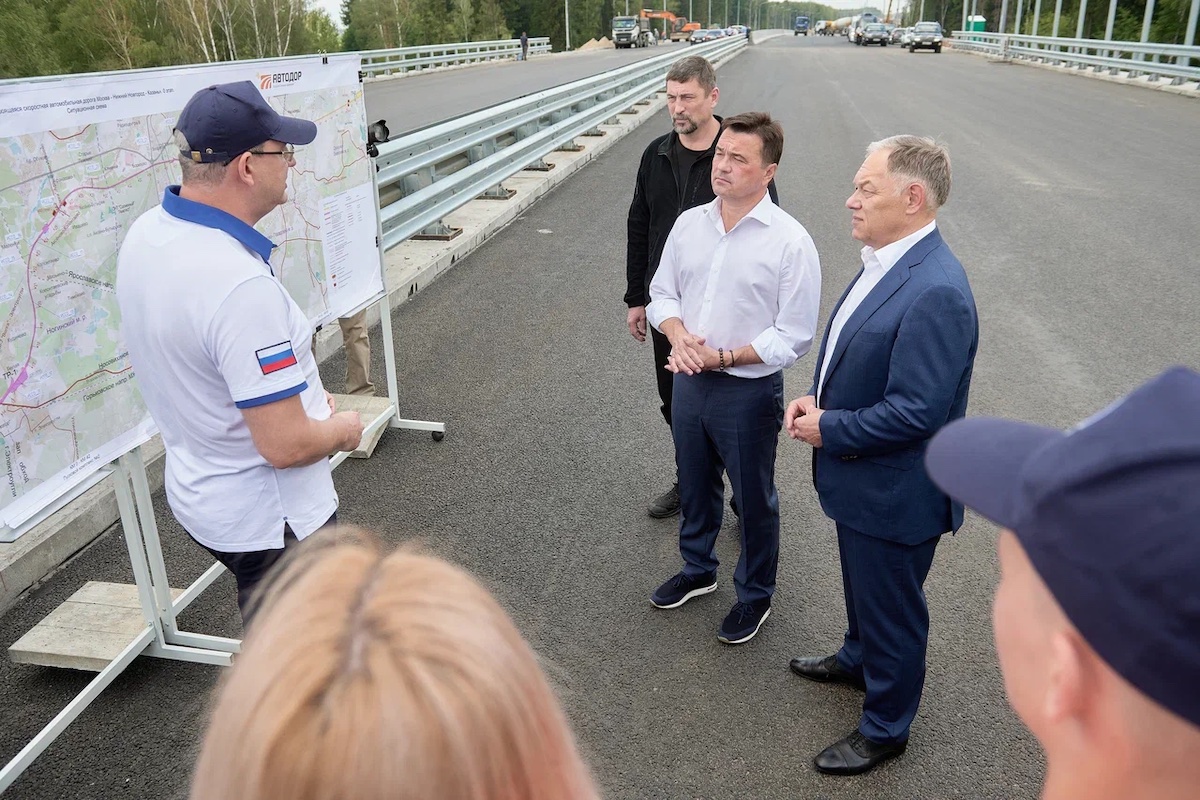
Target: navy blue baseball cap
x: 1109, y: 514
x: 221, y: 122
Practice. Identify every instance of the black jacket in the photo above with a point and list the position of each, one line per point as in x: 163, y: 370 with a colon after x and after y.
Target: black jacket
x: 657, y: 201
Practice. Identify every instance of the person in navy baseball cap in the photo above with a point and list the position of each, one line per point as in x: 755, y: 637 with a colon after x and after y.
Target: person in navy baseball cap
x: 1097, y: 614
x: 221, y: 122
x: 222, y: 351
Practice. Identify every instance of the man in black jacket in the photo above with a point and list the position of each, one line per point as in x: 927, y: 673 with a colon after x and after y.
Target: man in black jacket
x: 675, y: 174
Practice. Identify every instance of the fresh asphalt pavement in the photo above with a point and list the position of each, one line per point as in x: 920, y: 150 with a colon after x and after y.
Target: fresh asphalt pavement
x: 416, y: 101
x: 1073, y: 210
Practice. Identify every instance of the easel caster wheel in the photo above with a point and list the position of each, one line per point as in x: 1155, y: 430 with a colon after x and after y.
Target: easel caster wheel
x: 438, y: 435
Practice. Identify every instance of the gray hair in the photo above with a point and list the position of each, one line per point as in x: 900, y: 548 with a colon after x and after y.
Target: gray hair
x: 918, y: 159
x: 695, y: 68
x: 195, y: 173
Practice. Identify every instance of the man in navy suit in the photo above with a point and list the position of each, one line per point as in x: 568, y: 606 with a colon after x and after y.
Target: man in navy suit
x: 894, y: 367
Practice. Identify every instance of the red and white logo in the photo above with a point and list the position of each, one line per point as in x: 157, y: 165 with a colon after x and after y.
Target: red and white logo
x: 264, y: 81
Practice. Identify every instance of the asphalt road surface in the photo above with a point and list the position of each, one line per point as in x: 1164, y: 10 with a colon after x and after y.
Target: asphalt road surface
x: 417, y: 101
x: 1074, y: 212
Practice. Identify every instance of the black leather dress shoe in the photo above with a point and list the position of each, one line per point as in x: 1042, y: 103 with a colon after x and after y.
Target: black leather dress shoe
x: 666, y: 504
x: 826, y: 670
x: 855, y: 755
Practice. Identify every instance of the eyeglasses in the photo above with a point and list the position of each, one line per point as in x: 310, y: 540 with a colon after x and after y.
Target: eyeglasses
x: 288, y: 153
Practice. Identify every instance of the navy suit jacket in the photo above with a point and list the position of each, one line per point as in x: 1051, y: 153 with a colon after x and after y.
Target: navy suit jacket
x: 900, y: 371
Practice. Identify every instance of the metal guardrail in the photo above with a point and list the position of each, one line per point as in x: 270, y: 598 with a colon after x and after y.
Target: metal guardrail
x: 407, y: 59
x: 1170, y: 61
x: 401, y: 59
x: 429, y: 173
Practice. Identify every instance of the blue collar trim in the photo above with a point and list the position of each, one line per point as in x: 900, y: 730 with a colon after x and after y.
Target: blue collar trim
x: 210, y: 217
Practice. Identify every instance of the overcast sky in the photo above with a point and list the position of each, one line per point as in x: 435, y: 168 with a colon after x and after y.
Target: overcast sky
x: 333, y: 7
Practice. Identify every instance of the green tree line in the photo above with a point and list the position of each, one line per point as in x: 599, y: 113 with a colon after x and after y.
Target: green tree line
x: 1169, y: 25
x: 47, y: 37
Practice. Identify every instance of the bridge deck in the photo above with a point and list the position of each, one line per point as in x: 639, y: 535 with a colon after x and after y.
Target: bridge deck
x: 1074, y: 212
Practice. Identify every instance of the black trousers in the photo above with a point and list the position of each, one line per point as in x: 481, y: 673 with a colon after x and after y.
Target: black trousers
x: 250, y: 568
x: 665, y: 378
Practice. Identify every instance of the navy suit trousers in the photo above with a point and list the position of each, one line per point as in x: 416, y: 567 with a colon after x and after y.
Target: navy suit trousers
x: 888, y: 627
x: 722, y: 422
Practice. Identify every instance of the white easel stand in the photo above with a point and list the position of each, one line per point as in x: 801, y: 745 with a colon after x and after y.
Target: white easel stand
x: 77, y: 637
x: 92, y: 629
x: 375, y: 414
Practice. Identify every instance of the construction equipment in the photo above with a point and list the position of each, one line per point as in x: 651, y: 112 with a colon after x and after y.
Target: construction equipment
x: 632, y: 32
x: 679, y: 28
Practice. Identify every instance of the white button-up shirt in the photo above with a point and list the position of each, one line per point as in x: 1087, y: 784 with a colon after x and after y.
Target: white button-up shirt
x: 757, y: 284
x: 876, y: 264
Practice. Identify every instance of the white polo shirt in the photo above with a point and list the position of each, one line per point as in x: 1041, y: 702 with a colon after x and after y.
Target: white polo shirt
x: 210, y: 331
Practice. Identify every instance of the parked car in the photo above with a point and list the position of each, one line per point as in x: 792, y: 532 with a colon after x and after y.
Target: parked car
x: 926, y: 35
x: 874, y: 33
x: 705, y: 35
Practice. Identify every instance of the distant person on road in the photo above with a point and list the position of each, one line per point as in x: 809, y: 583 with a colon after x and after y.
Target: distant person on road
x: 673, y: 176
x: 222, y: 353
x: 1097, y: 615
x: 524, y: 46
x: 736, y: 295
x: 894, y: 367
x: 385, y: 676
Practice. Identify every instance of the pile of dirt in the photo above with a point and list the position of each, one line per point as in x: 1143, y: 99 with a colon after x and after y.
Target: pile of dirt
x: 592, y: 44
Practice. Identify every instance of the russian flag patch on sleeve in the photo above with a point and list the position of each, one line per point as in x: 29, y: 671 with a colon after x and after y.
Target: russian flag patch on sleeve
x: 276, y: 357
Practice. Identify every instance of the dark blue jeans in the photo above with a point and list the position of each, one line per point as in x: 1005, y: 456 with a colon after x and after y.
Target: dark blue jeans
x: 250, y: 568
x: 722, y: 422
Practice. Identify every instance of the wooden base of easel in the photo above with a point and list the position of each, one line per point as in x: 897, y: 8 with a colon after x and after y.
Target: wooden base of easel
x: 373, y: 410
x: 87, y: 631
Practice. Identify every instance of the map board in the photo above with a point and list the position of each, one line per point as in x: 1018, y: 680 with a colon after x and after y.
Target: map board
x: 80, y: 159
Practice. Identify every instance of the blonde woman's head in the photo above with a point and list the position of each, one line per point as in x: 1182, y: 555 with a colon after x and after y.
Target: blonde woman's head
x: 373, y: 675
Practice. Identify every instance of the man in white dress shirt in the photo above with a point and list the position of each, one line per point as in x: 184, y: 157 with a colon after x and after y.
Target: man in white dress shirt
x: 894, y: 368
x: 736, y: 293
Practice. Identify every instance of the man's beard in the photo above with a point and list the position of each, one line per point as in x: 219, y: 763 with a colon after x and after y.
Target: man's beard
x: 691, y: 128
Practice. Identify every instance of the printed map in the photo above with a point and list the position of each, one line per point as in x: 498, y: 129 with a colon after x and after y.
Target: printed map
x: 69, y: 401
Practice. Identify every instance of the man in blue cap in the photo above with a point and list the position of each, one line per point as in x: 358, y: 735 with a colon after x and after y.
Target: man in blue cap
x: 1097, y: 614
x: 222, y: 353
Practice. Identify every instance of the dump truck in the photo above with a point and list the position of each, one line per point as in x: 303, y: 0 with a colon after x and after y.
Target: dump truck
x: 631, y: 32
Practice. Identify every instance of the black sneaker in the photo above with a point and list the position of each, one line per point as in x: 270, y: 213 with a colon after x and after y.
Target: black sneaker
x: 666, y: 504
x: 743, y: 621
x: 682, y: 588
